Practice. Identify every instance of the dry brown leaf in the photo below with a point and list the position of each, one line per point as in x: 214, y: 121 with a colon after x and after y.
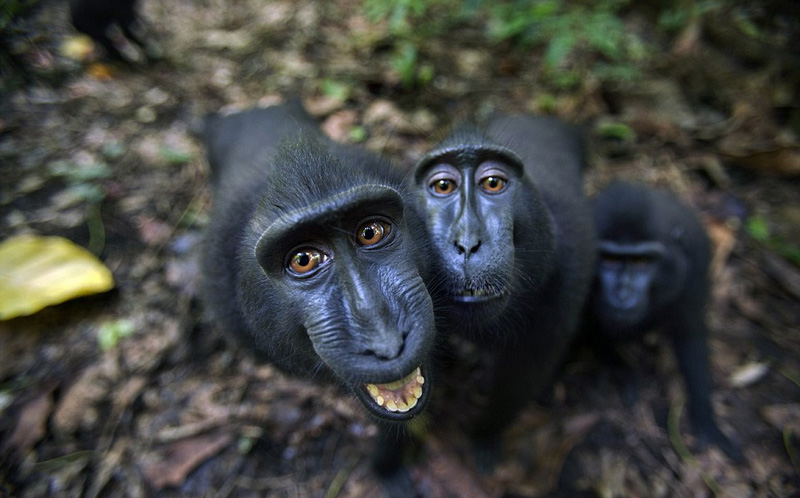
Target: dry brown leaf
x: 786, y: 274
x: 322, y: 105
x: 183, y: 457
x: 385, y: 114
x: 338, y: 125
x: 125, y: 395
x: 549, y: 444
x: 149, y: 351
x: 154, y: 232
x: 782, y: 162
x: 688, y: 39
x: 77, y: 408
x: 724, y: 240
x: 32, y: 423
x: 446, y: 475
x: 783, y: 416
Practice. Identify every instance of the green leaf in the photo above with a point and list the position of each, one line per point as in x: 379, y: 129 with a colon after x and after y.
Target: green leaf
x: 619, y: 131
x: 60, y: 167
x: 404, y: 62
x: 174, y: 156
x: 547, y: 102
x: 334, y: 89
x: 792, y: 253
x: 566, y: 79
x: 758, y: 228
x: 110, y: 333
x: 558, y: 49
x: 79, y: 173
x: 398, y: 19
x: 357, y: 134
x: 746, y: 26
x: 605, y: 34
x: 85, y: 192
x: 616, y: 72
x: 425, y: 74
x: 89, y: 172
x: 112, y: 150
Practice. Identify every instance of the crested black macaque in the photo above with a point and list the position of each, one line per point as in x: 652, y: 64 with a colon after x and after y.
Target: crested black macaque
x: 513, y: 251
x: 652, y: 271
x: 96, y: 17
x: 311, y: 258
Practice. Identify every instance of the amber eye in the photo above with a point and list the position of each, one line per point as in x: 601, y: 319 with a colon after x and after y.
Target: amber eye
x: 305, y: 260
x: 493, y: 184
x: 372, y: 232
x: 443, y: 186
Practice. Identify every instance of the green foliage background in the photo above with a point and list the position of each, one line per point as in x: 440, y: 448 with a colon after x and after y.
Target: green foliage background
x: 577, y: 38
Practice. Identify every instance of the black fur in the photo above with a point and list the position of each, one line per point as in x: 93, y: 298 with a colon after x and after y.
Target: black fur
x: 653, y: 271
x: 95, y: 17
x: 512, y: 269
x: 364, y: 315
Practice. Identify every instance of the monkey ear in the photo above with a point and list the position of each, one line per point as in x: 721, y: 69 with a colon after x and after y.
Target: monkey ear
x: 295, y: 226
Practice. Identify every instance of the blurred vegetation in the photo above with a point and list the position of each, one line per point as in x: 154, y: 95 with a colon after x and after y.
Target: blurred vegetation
x: 681, y: 13
x: 110, y: 333
x: 11, y: 69
x: 578, y: 40
x: 85, y: 186
x: 769, y: 234
x: 411, y: 24
x: 9, y: 9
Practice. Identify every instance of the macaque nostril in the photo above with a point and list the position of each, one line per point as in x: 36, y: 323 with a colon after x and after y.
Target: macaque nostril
x: 469, y: 248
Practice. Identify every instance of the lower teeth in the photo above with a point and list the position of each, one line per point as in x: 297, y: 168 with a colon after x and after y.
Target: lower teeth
x: 398, y: 396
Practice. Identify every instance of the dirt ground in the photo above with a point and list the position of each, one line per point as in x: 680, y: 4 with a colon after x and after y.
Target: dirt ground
x: 169, y: 408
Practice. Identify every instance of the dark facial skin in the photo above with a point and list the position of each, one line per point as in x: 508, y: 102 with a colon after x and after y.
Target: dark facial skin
x: 513, y: 253
x: 470, y: 209
x: 310, y: 259
x: 625, y: 276
x: 652, y: 271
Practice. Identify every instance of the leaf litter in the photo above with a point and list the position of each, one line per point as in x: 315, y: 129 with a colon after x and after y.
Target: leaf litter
x: 171, y: 407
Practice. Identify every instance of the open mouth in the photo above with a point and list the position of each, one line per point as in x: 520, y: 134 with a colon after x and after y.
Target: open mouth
x: 476, y: 295
x: 399, y: 396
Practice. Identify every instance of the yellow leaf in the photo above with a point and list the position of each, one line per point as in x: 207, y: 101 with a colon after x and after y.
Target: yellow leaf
x: 78, y: 47
x: 36, y: 272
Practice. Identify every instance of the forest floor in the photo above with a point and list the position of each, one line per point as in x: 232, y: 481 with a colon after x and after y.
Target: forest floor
x: 171, y: 409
